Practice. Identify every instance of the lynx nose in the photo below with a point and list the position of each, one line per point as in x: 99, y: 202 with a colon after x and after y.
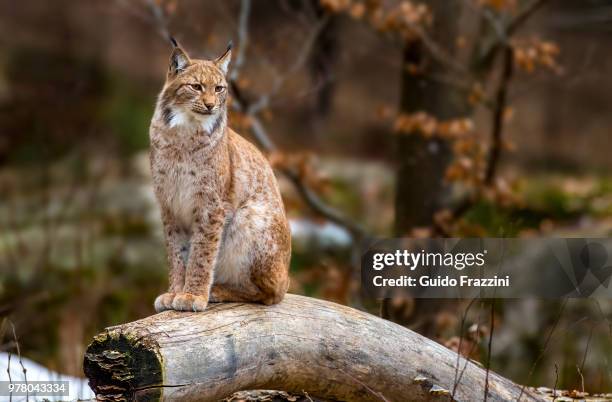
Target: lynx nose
x: 209, y: 106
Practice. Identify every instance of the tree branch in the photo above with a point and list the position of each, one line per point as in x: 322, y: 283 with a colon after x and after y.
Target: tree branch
x: 243, y: 38
x: 524, y: 16
x: 501, y: 97
x: 504, y: 35
x: 280, y: 79
x: 315, y: 203
x: 499, y: 106
x: 241, y: 104
x: 498, y: 115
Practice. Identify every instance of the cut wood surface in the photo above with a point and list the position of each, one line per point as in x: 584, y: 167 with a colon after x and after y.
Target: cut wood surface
x: 302, y: 345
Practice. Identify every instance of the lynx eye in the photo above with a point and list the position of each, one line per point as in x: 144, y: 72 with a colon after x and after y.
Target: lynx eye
x: 196, y: 87
x: 219, y: 88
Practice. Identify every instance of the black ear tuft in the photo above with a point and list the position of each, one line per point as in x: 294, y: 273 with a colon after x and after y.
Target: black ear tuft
x: 229, y: 46
x: 223, y: 61
x: 173, y: 41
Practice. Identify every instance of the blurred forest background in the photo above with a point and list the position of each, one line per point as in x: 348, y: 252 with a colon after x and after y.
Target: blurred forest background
x: 382, y: 118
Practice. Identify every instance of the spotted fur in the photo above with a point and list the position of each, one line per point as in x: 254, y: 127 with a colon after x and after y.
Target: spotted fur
x: 226, y: 233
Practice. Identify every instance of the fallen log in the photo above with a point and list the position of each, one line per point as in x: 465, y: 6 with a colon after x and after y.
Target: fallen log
x: 302, y: 345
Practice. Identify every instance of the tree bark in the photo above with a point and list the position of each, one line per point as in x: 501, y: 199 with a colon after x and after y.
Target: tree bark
x: 302, y: 345
x: 421, y: 189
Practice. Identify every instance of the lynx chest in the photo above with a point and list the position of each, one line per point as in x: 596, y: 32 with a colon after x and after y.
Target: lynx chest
x: 176, y: 185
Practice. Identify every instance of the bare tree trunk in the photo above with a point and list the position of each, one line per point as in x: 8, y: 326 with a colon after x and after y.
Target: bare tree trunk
x: 420, y: 186
x: 301, y: 345
x: 421, y: 189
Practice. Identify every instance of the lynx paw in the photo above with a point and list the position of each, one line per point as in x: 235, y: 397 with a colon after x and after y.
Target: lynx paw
x: 164, y: 302
x: 189, y: 302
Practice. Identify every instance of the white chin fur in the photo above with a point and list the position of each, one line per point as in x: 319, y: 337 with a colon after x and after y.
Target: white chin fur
x: 180, y: 118
x: 208, y: 122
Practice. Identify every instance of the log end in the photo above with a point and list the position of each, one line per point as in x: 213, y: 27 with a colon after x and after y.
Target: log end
x: 120, y: 365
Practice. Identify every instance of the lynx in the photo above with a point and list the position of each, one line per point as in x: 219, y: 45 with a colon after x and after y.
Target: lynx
x: 226, y: 233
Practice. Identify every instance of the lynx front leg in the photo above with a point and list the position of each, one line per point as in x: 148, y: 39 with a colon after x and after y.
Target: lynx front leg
x: 205, y: 242
x: 176, y: 269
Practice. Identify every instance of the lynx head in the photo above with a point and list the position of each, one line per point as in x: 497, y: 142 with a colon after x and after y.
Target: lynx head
x: 195, y: 91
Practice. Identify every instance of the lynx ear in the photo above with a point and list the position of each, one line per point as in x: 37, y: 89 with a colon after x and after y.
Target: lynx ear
x: 179, y: 60
x: 223, y: 61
